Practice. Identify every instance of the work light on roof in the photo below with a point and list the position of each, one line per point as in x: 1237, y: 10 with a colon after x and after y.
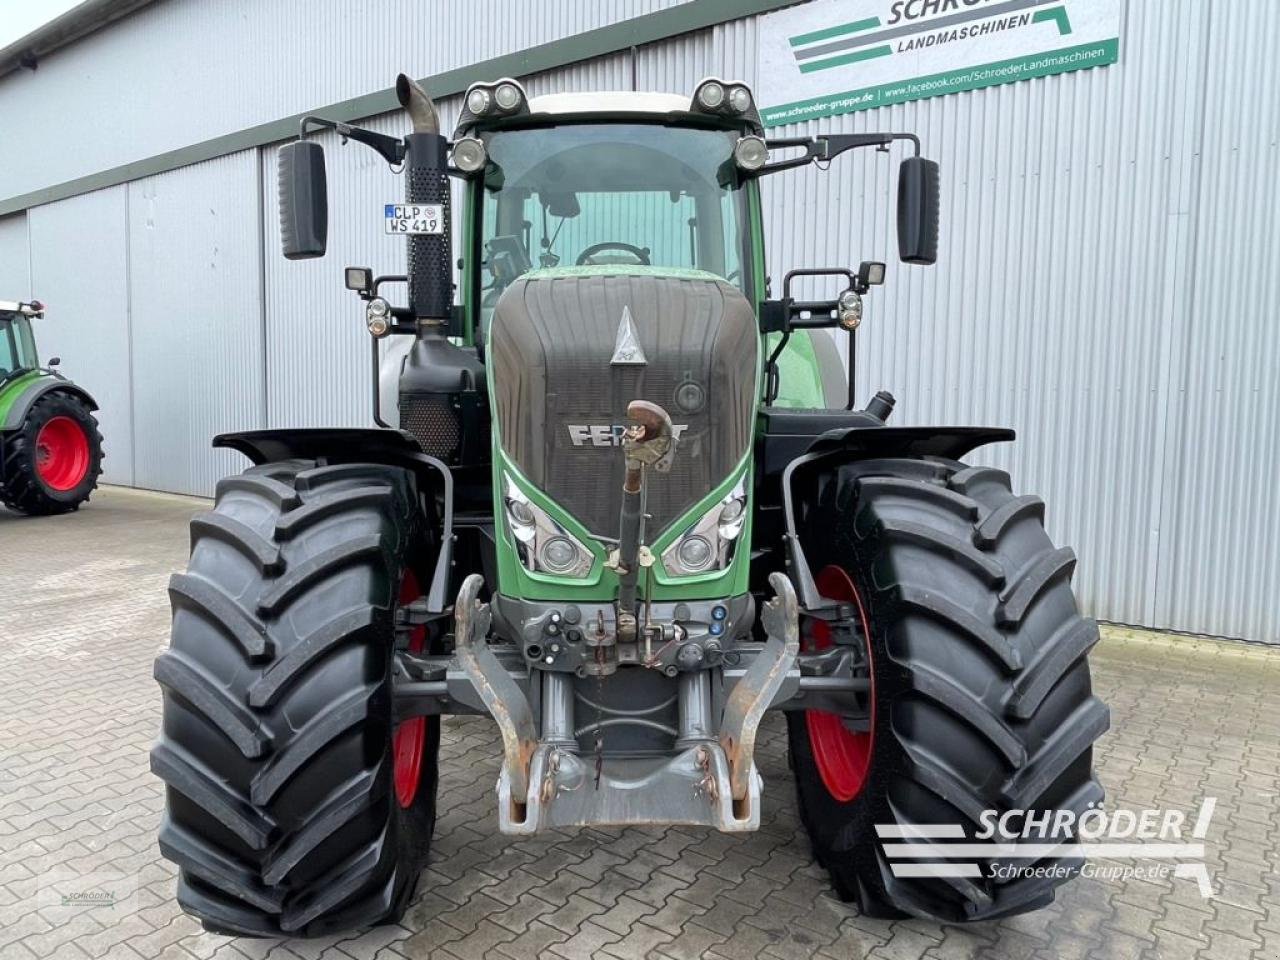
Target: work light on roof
x: 711, y: 95
x: 507, y: 97
x: 478, y: 100
x: 726, y: 99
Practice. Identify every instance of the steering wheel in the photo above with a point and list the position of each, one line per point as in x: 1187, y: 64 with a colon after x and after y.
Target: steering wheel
x: 641, y: 254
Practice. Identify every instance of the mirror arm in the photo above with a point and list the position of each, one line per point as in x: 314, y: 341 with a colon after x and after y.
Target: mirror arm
x: 389, y: 148
x: 829, y: 146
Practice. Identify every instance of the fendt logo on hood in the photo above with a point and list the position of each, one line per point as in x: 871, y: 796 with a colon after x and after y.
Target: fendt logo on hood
x: 608, y: 434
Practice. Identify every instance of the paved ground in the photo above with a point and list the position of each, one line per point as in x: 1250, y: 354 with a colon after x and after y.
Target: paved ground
x: 83, y: 611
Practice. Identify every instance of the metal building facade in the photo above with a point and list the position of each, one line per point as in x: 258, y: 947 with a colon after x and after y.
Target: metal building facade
x: 1109, y: 257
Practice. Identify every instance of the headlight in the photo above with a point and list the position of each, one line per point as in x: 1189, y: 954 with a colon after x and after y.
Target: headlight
x: 543, y: 545
x: 708, y: 545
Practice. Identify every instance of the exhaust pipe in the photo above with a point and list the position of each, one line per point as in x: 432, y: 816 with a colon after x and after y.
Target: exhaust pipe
x: 415, y: 100
x: 427, y: 184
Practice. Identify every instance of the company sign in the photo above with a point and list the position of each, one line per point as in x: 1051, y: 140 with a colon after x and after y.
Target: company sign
x: 836, y: 56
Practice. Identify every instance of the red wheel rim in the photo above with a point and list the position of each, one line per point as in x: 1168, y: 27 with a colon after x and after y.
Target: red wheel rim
x: 410, y: 738
x: 62, y: 454
x: 843, y: 757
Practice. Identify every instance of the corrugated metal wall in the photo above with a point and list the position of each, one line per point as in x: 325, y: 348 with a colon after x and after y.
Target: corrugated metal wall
x: 15, y: 258
x: 178, y: 73
x: 195, y: 294
x: 79, y: 267
x: 1220, y: 505
x: 1109, y: 258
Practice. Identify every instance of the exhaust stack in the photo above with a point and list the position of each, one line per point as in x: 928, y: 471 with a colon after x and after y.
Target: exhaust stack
x: 427, y: 185
x: 419, y: 106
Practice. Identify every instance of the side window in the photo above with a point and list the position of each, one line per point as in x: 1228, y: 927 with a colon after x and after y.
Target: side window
x: 733, y: 271
x: 8, y: 348
x: 26, y: 343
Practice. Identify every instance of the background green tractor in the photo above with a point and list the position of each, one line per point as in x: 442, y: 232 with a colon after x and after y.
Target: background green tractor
x: 50, y: 447
x: 630, y: 507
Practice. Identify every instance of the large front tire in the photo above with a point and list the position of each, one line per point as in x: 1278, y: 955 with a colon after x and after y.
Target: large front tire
x: 981, y: 695
x: 283, y: 811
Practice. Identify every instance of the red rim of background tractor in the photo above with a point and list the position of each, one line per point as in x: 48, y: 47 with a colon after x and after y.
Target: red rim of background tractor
x: 62, y: 454
x: 843, y: 757
x: 410, y: 738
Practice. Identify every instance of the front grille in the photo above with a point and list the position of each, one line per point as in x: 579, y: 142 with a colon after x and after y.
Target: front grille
x: 433, y: 421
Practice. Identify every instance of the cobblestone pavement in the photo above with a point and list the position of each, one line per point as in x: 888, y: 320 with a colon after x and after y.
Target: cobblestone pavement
x: 83, y: 610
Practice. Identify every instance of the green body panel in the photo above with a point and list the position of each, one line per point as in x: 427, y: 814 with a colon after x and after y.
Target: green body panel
x: 602, y: 583
x: 799, y: 376
x: 14, y: 393
x: 800, y: 385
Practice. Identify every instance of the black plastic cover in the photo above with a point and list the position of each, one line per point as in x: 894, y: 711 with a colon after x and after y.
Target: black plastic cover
x: 560, y: 400
x: 304, y: 200
x: 918, y: 203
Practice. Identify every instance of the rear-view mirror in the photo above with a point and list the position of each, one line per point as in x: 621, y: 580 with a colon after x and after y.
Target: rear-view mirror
x: 304, y: 200
x: 562, y: 204
x: 918, y: 201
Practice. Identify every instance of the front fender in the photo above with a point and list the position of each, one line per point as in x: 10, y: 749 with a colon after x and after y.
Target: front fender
x: 847, y: 444
x: 352, y: 445
x: 14, y: 409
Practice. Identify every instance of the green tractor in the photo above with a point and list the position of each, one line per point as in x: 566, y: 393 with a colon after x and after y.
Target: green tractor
x: 50, y: 447
x: 626, y: 508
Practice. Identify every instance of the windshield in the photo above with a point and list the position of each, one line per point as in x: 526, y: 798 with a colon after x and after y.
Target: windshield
x: 609, y: 194
x: 17, y: 345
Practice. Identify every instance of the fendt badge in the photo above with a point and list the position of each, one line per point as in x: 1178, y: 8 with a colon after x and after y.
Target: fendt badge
x: 626, y: 349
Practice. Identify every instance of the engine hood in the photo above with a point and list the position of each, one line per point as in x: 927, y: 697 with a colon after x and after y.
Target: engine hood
x: 569, y: 349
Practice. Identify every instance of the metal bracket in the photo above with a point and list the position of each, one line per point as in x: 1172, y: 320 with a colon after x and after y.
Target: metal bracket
x: 752, y: 694
x: 504, y: 698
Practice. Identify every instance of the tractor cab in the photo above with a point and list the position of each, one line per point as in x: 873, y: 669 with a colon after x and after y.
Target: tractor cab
x: 604, y: 180
x: 17, y: 342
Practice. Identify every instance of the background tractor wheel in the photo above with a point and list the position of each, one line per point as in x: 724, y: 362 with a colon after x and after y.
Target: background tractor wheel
x: 981, y: 696
x: 294, y: 806
x: 52, y: 462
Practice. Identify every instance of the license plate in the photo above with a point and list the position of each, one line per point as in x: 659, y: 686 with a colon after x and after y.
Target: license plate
x: 414, y: 217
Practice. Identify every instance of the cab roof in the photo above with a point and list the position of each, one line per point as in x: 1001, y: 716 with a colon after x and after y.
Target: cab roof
x: 609, y: 101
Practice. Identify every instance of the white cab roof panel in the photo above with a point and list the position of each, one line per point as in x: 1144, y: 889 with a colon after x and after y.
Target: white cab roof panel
x: 610, y: 101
